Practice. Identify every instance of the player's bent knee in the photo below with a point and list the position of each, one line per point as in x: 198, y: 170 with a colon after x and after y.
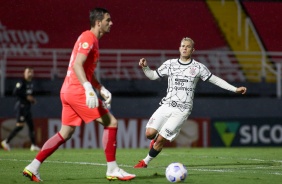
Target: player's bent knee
x: 151, y: 133
x: 108, y: 120
x: 151, y: 137
x: 114, y: 123
x: 67, y: 131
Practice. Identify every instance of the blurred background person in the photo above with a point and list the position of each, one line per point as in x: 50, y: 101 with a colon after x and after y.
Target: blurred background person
x: 24, y: 93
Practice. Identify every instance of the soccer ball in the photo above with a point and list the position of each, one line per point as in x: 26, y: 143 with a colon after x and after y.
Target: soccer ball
x: 176, y: 172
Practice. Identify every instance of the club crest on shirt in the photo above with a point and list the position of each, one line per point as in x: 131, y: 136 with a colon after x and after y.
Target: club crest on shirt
x: 192, y: 71
x: 85, y: 45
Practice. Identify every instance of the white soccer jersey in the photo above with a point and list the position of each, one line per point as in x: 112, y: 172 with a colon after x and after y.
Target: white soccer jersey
x: 182, y: 81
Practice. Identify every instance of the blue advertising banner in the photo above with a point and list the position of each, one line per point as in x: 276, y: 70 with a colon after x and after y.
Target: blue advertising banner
x: 246, y: 132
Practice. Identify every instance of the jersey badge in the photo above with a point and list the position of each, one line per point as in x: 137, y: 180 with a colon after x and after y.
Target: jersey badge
x: 192, y: 71
x: 85, y: 45
x: 18, y: 85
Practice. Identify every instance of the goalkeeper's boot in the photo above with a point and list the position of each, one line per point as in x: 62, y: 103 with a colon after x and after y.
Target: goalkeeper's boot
x: 32, y: 176
x: 5, y: 145
x: 34, y: 148
x: 119, y: 174
x: 141, y: 164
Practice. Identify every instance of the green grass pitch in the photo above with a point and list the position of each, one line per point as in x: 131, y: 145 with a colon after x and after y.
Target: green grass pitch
x: 205, y: 165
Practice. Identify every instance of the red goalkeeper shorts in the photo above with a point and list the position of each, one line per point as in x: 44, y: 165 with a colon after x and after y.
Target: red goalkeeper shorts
x: 75, y: 110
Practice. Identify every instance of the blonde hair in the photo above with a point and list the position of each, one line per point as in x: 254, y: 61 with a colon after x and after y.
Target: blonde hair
x: 188, y: 39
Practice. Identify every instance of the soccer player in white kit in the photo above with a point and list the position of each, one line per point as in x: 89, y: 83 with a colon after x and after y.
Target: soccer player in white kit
x: 183, y: 75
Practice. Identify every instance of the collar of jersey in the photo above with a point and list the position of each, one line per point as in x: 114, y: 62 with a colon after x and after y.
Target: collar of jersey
x: 182, y: 63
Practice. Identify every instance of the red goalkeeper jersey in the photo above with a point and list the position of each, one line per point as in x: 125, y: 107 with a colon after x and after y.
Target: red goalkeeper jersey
x: 87, y: 44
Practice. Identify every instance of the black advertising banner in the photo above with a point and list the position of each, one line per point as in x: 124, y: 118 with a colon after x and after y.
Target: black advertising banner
x: 238, y: 132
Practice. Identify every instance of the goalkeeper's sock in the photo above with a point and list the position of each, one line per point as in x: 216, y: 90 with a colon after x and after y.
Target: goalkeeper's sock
x: 50, y: 146
x: 34, y: 166
x: 111, y: 166
x: 109, y: 143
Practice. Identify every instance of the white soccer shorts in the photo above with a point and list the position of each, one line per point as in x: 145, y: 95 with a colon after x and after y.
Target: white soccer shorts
x: 168, y: 120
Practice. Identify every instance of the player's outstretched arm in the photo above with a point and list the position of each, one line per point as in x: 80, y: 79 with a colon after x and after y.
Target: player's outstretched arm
x: 242, y: 90
x: 151, y: 74
x: 225, y: 85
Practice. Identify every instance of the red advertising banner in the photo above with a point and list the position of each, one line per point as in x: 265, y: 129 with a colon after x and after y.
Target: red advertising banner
x: 131, y: 133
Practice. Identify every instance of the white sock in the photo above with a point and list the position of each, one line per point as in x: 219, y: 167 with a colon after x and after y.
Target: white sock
x: 111, y: 166
x: 34, y: 166
x: 148, y: 159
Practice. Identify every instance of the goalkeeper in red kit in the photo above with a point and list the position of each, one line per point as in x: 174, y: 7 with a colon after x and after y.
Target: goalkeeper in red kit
x: 80, y: 103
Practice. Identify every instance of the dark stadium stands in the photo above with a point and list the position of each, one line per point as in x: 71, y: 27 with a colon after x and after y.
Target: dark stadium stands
x: 166, y: 22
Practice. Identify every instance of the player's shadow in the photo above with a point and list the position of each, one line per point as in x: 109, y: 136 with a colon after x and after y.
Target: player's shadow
x: 152, y: 176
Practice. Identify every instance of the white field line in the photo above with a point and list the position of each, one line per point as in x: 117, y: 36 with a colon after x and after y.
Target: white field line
x: 241, y: 170
x: 240, y: 158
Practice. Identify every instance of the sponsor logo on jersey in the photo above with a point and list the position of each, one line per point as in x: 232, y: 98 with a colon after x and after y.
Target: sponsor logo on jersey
x: 173, y: 104
x: 183, y: 88
x: 181, y: 106
x: 181, y: 80
x: 29, y: 91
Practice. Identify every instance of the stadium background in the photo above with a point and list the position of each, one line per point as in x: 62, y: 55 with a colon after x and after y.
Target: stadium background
x: 219, y: 118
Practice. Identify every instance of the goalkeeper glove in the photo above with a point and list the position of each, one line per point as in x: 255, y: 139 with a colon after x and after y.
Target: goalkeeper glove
x: 107, y: 96
x: 91, y: 97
